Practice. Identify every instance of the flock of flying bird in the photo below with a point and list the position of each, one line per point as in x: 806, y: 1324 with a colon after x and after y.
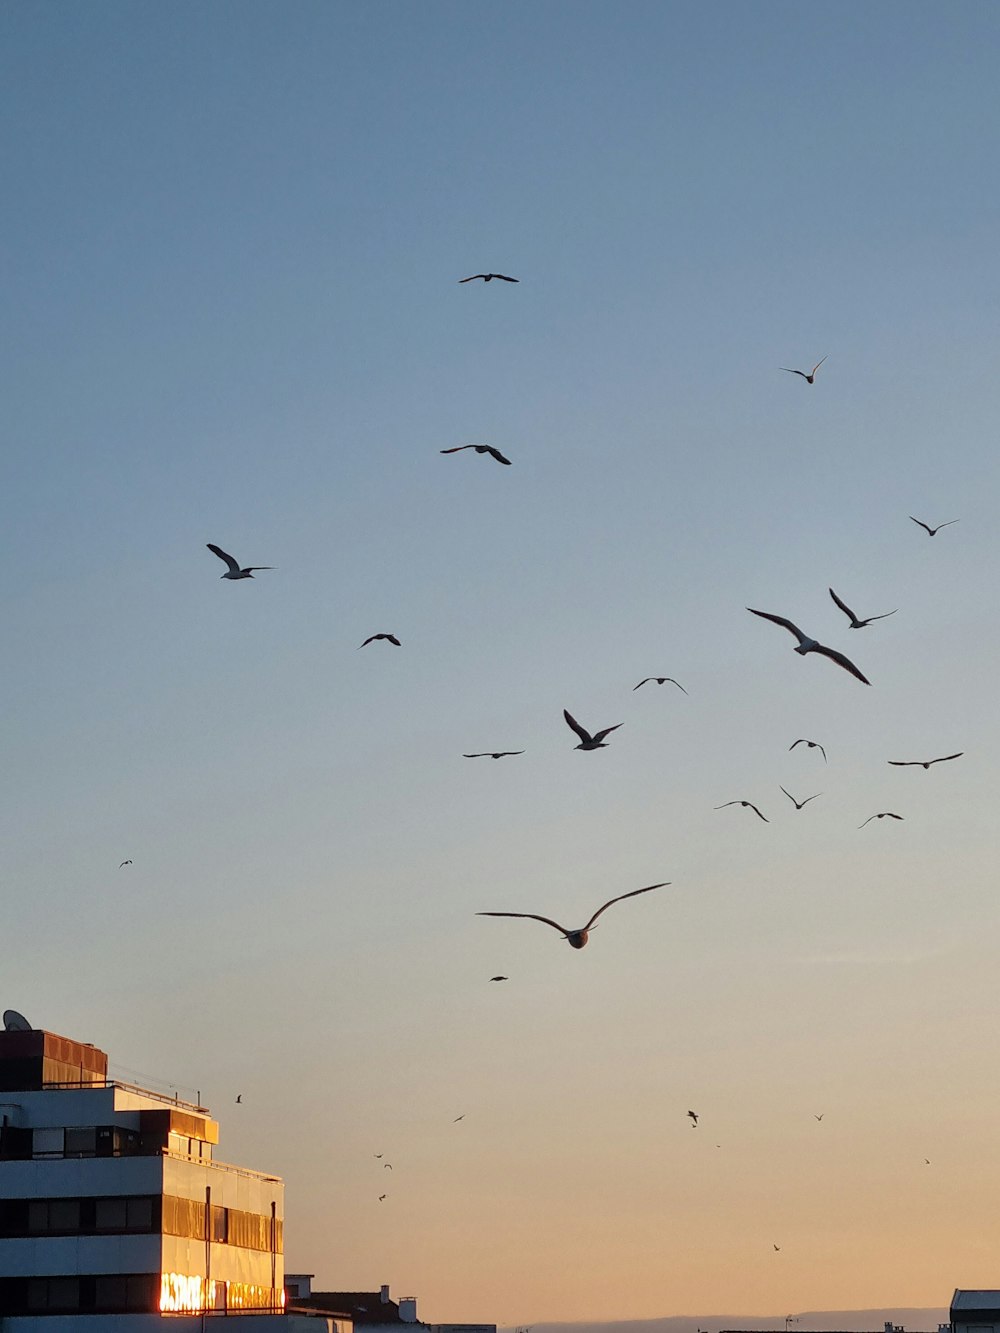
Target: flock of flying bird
x: 577, y: 937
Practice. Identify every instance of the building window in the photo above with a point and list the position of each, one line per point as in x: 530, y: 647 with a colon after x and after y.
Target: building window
x: 53, y: 1215
x: 53, y: 1293
x: 110, y: 1215
x: 48, y: 1142
x: 81, y: 1142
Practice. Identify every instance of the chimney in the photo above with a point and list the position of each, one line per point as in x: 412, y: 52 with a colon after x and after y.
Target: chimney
x: 408, y: 1309
x: 385, y: 1300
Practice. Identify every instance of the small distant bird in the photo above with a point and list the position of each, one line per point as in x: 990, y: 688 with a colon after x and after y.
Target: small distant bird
x: 125, y: 863
x: 798, y: 804
x: 750, y: 805
x: 480, y: 449
x: 386, y: 1166
x: 239, y: 1099
x: 927, y: 1161
x: 913, y: 763
x: 807, y: 645
x: 381, y: 1197
x: 855, y: 622
x: 819, y: 1117
x: 488, y: 277
x: 499, y: 978
x: 931, y: 531
x: 588, y: 742
x: 234, y: 572
x: 391, y: 638
x: 458, y: 1118
x: 886, y: 814
x: 577, y: 938
x: 660, y: 680
x: 492, y: 754
x: 777, y: 1247
x: 692, y: 1115
x: 378, y: 1155
x: 811, y: 375
x: 813, y: 745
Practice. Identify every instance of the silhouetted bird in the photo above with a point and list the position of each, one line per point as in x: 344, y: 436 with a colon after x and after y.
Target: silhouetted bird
x: 750, y: 805
x: 125, y: 863
x: 458, y: 1118
x: 807, y: 645
x: 855, y: 622
x: 886, y: 814
x: 810, y: 377
x: 578, y: 938
x: 660, y: 680
x: 381, y: 1197
x: 390, y: 638
x: 492, y: 754
x: 931, y: 531
x: 917, y: 763
x: 693, y: 1116
x: 798, y: 804
x: 239, y: 1099
x: 588, y: 742
x: 813, y: 745
x: 499, y: 978
x: 480, y: 449
x: 819, y: 1117
x: 234, y: 571
x: 488, y: 277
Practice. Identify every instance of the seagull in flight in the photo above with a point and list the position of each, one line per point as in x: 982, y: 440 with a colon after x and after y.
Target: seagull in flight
x: 377, y: 1155
x: 931, y: 531
x: 239, y: 1099
x: 778, y: 1247
x: 499, y: 978
x: 588, y: 742
x: 807, y: 645
x: 809, y: 379
x: 750, y: 804
x: 488, y: 277
x: 819, y: 1117
x: 234, y: 571
x: 386, y: 1166
x: 381, y: 1197
x: 391, y: 638
x: 660, y: 680
x: 855, y: 622
x: 909, y: 763
x: 798, y: 804
x: 577, y: 938
x: 128, y: 863
x: 480, y: 449
x: 886, y: 814
x: 813, y: 745
x: 458, y: 1118
x: 692, y: 1115
x: 492, y: 754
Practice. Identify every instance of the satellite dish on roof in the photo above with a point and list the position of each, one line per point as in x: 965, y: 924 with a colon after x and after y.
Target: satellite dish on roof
x: 15, y: 1022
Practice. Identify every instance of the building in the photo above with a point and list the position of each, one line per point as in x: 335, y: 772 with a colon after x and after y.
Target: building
x: 369, y: 1311
x: 975, y: 1312
x: 115, y: 1211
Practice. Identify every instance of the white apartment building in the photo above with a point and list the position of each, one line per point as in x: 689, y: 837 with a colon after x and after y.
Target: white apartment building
x: 115, y: 1214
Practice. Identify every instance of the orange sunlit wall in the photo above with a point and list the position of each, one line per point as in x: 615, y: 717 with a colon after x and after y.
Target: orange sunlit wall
x: 180, y: 1294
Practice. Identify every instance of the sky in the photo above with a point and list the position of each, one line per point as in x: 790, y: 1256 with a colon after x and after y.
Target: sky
x: 231, y: 312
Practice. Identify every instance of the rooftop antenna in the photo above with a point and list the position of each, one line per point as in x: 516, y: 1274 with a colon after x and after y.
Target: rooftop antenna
x: 15, y: 1022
